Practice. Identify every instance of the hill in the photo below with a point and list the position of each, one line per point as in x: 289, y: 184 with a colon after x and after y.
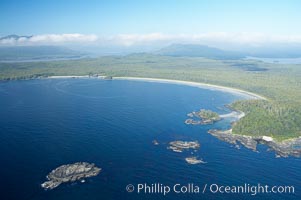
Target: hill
x: 23, y: 53
x: 193, y: 50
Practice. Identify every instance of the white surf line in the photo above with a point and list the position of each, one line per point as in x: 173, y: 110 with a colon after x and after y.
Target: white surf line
x: 240, y: 92
x: 233, y: 114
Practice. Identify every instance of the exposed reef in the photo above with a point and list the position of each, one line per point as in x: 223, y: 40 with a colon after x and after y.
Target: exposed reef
x: 70, y: 173
x: 227, y: 136
x: 291, y: 147
x: 194, y: 160
x: 155, y: 142
x: 179, y: 146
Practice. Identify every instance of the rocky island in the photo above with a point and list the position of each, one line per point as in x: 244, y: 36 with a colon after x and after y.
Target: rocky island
x: 202, y: 117
x: 179, y: 146
x: 70, y: 173
x: 194, y: 160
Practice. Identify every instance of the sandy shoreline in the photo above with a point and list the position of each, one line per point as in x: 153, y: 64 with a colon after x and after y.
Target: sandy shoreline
x: 235, y: 91
x: 239, y: 92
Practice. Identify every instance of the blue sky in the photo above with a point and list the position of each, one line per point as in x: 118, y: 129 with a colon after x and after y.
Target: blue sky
x: 140, y: 17
x: 167, y: 17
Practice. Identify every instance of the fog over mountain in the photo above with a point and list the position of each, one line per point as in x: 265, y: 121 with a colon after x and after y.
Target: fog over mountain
x: 218, y: 45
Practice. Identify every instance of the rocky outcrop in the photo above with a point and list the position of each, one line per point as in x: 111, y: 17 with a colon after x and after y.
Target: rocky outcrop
x: 291, y: 147
x: 108, y: 77
x: 227, y: 136
x: 202, y: 117
x: 155, y: 142
x: 70, y: 173
x: 194, y: 160
x: 179, y: 146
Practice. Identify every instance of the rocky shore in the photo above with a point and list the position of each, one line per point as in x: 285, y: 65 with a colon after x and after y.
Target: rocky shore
x: 70, y: 173
x: 286, y: 148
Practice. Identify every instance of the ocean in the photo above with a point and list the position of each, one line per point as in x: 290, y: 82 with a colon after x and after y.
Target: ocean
x: 112, y: 123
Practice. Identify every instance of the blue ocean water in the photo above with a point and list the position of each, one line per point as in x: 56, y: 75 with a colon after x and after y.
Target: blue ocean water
x: 51, y: 122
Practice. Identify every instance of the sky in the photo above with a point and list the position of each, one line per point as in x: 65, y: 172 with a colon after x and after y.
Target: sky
x: 130, y: 22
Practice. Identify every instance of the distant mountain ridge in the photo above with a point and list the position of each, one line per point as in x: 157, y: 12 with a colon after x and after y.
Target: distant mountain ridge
x: 15, y: 37
x: 194, y: 50
x: 19, y: 47
x: 23, y: 53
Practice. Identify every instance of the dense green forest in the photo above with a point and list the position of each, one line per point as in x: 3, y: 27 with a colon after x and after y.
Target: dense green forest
x: 279, y: 116
x: 208, y: 114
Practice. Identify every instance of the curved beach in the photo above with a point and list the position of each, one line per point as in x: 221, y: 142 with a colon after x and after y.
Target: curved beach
x: 239, y: 92
x: 235, y: 91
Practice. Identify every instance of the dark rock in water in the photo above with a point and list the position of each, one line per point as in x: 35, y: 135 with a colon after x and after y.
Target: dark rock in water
x: 108, y: 77
x: 227, y: 136
x: 193, y: 122
x: 194, y: 160
x: 179, y: 146
x: 70, y: 173
x: 203, y: 117
x: 155, y: 142
x: 291, y: 147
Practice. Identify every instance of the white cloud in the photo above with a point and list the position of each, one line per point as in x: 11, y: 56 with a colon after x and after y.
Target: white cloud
x: 55, y: 38
x: 216, y: 39
x: 50, y: 39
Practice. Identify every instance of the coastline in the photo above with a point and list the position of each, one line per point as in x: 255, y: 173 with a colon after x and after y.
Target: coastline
x: 282, y: 148
x: 236, y: 91
x: 56, y: 77
x: 239, y: 92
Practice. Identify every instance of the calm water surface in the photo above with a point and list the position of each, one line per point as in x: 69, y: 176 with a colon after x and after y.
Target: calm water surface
x: 47, y: 123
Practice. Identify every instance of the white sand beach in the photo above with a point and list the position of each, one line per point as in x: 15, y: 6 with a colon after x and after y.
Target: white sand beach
x: 235, y: 91
x: 239, y: 92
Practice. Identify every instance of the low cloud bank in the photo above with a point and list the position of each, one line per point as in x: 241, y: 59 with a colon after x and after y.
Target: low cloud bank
x: 48, y: 39
x: 218, y: 39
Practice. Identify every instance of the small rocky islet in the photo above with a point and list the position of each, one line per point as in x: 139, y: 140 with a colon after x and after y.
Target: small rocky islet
x: 179, y: 146
x: 194, y: 160
x: 202, y: 117
x: 70, y: 173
